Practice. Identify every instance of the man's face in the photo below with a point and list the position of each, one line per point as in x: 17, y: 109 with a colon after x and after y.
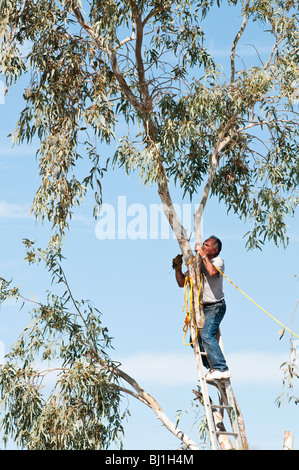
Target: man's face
x: 209, y: 248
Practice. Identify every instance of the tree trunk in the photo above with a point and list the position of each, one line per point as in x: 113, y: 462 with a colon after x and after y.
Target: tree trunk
x: 193, y: 263
x: 288, y: 441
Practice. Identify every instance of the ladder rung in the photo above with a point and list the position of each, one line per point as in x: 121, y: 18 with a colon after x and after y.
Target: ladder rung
x: 222, y: 407
x: 214, y: 430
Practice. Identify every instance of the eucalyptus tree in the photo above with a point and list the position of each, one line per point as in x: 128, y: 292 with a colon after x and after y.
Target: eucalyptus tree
x: 59, y: 388
x: 94, y: 65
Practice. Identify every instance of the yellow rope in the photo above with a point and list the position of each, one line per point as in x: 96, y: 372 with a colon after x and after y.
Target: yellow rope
x: 271, y: 316
x: 201, y: 282
x: 189, y: 311
x: 187, y: 264
x: 187, y: 320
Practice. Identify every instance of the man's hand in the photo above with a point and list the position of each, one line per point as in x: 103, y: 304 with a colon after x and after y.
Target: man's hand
x: 177, y: 263
x: 204, y: 254
x: 200, y: 249
x: 177, y: 266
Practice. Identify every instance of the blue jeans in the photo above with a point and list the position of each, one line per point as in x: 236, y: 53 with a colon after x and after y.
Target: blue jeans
x: 213, y: 316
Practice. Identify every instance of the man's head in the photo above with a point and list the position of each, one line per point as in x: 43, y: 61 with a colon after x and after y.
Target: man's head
x: 212, y: 246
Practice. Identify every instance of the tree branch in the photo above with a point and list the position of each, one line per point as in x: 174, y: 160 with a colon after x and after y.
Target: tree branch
x: 113, y: 60
x: 266, y: 123
x: 171, y: 215
x: 157, y: 10
x: 128, y: 39
x: 236, y: 40
x: 213, y: 168
x: 139, y: 61
x: 98, y: 40
x: 147, y: 399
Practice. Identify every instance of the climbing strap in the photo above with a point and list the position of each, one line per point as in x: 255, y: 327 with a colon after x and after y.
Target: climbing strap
x: 247, y: 296
x: 188, y: 305
x: 255, y: 303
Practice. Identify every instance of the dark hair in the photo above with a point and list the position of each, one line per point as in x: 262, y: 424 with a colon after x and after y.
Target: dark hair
x: 217, y: 243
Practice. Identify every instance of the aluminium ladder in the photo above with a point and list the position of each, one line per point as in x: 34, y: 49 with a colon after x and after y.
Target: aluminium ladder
x: 225, y: 388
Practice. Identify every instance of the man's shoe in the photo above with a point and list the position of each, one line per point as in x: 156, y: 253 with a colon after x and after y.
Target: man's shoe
x: 217, y: 375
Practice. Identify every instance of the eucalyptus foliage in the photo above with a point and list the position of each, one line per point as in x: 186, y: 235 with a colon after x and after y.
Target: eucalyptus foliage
x: 92, y: 69
x: 93, y: 65
x: 58, y: 389
x: 290, y: 378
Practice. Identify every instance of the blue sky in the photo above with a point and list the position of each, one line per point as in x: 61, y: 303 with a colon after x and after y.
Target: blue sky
x: 131, y: 281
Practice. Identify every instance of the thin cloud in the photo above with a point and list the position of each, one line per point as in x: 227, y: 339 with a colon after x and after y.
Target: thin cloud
x: 18, y: 151
x: 174, y: 369
x: 170, y: 369
x: 245, y: 50
x: 14, y: 211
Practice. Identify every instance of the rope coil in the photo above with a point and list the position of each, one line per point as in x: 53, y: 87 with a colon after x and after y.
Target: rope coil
x: 188, y: 305
x: 190, y: 311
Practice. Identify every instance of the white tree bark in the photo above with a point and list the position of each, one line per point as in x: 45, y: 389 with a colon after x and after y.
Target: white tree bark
x: 288, y: 441
x: 148, y: 400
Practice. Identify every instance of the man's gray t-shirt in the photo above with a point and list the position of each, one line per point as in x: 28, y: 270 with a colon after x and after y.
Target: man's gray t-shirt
x: 213, y: 285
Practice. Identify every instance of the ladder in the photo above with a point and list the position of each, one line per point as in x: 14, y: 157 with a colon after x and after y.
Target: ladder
x: 225, y: 388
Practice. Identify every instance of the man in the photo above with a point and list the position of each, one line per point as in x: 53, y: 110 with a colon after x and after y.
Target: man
x: 213, y: 304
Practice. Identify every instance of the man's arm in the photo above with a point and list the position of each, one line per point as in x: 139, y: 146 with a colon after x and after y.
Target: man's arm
x: 211, y: 270
x: 180, y: 278
x: 177, y: 266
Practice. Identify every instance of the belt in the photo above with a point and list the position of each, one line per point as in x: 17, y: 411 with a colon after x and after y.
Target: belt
x: 208, y: 304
